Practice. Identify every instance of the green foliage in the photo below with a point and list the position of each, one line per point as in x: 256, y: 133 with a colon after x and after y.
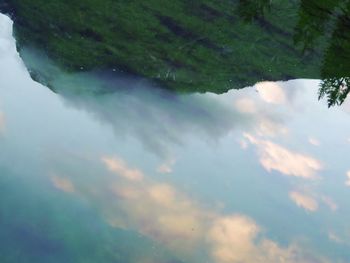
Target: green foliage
x: 327, y: 23
x: 182, y: 45
x: 335, y: 89
x: 190, y: 46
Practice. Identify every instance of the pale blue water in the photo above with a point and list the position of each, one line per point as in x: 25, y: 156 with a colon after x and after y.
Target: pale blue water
x: 140, y: 175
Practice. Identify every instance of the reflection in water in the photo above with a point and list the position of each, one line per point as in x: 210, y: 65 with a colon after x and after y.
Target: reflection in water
x: 322, y: 30
x: 275, y: 157
x: 146, y: 176
x: 193, y: 45
x: 253, y: 9
x: 330, y: 29
x: 158, y: 117
x: 335, y: 89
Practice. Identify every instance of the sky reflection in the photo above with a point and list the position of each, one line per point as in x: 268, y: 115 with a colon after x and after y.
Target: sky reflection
x: 255, y: 175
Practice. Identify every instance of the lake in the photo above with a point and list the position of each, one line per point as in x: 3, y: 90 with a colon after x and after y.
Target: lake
x: 143, y: 175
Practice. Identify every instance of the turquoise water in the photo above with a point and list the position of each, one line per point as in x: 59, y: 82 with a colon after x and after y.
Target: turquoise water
x: 256, y: 175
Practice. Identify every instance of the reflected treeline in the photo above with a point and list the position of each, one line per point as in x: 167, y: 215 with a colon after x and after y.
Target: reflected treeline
x: 192, y: 46
x: 323, y: 27
x: 326, y: 24
x: 335, y: 89
x: 250, y: 10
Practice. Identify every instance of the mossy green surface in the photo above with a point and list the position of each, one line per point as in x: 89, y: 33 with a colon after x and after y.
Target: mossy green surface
x: 183, y: 45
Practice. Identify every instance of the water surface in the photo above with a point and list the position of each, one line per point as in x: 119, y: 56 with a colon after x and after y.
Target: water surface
x: 142, y: 175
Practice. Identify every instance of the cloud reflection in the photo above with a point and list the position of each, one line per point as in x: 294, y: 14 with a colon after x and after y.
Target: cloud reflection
x: 127, y: 197
x: 63, y: 184
x: 313, y: 141
x: 157, y: 210
x: 270, y: 128
x: 246, y: 105
x: 275, y: 157
x: 305, y: 201
x: 271, y: 92
x: 235, y: 239
x: 134, y: 108
x: 162, y: 212
x: 119, y: 167
x: 6, y: 44
x: 328, y: 201
x: 166, y: 167
x: 334, y: 237
x: 348, y: 178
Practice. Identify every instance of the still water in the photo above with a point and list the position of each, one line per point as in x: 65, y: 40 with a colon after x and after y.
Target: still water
x: 260, y: 174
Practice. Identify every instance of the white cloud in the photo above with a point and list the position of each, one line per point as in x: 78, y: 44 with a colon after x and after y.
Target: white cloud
x: 246, y: 105
x: 157, y: 210
x: 330, y: 203
x: 235, y: 240
x: 120, y: 168
x: 166, y: 167
x: 310, y: 202
x: 125, y: 192
x: 243, y: 144
x: 346, y: 106
x: 303, y: 200
x: 63, y: 184
x: 271, y: 92
x: 313, y: 141
x: 275, y: 157
x: 5, y: 35
x: 348, y: 178
x: 165, y: 214
x: 334, y: 237
x: 160, y: 212
x: 270, y: 128
x: 162, y: 194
